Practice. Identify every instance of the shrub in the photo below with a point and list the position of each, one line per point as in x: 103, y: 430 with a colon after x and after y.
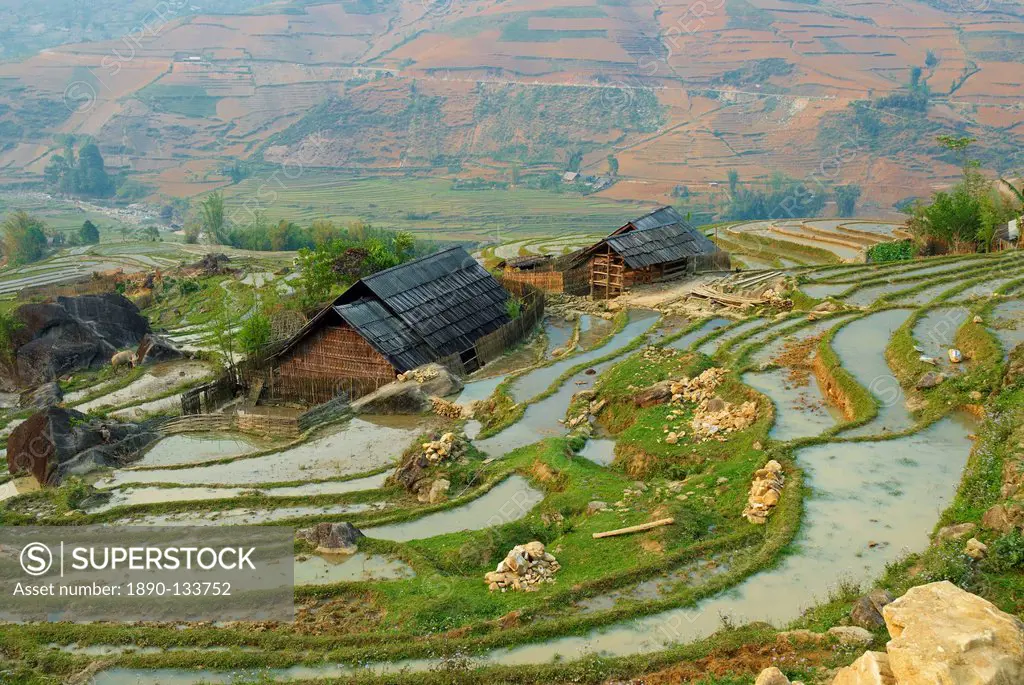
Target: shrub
x: 1006, y: 553
x: 897, y: 251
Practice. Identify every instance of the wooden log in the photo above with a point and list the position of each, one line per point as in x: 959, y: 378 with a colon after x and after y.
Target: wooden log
x: 635, y: 529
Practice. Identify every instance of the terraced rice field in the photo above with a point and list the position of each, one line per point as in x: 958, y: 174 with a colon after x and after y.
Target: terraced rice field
x: 870, y: 461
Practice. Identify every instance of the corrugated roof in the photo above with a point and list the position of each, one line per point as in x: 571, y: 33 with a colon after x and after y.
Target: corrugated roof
x: 664, y: 216
x: 660, y: 244
x: 447, y: 298
x: 418, y: 312
x: 386, y: 333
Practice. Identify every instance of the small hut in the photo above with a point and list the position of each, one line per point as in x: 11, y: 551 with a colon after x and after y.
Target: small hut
x: 432, y: 309
x: 658, y: 246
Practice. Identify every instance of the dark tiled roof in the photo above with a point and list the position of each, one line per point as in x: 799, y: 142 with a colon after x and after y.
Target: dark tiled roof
x: 418, y: 312
x: 659, y: 237
x: 386, y: 333
x: 446, y: 299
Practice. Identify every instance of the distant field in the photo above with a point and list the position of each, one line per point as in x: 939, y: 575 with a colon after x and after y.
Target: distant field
x: 62, y: 216
x: 427, y: 206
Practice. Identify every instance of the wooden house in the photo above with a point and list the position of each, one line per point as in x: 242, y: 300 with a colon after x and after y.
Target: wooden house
x: 658, y: 246
x: 432, y: 309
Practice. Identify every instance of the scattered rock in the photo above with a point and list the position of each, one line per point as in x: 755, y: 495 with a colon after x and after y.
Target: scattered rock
x: 333, y: 538
x: 872, y: 668
x: 955, y: 356
x: 851, y: 636
x: 434, y: 379
x: 942, y: 634
x: 800, y: 636
x: 595, y: 507
x: 1003, y: 518
x: 448, y: 410
x: 46, y: 395
x: 524, y: 568
x: 765, y: 493
x: 976, y: 549
x: 414, y: 472
x: 929, y: 380
x: 826, y: 306
x: 956, y: 531
x: 867, y: 610
x: 771, y: 676
x: 977, y: 319
x: 437, y: 493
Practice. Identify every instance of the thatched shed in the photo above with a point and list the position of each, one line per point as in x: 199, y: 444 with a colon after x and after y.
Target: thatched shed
x: 432, y: 309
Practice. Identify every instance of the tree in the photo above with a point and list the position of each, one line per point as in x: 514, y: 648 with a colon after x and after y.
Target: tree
x: 317, y: 280
x: 84, y: 174
x: 613, y: 165
x: 958, y: 146
x: 88, y: 234
x: 931, y: 59
x: 24, y: 238
x: 323, y: 232
x: 285, y: 236
x: 211, y: 212
x: 152, y: 233
x: 192, y: 230
x: 255, y: 333
x: 734, y: 180
x: 224, y: 326
x: 124, y: 233
x: 846, y: 199
x: 404, y: 244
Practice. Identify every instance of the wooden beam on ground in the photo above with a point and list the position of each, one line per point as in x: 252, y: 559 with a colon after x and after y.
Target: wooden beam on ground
x: 635, y: 529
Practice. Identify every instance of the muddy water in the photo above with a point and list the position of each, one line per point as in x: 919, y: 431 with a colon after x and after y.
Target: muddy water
x: 477, y: 391
x: 559, y: 332
x: 359, y: 445
x: 323, y: 570
x: 711, y: 346
x: 1008, y: 320
x: 801, y: 410
x: 599, y: 450
x: 872, y: 503
x: 936, y: 330
x: 860, y: 346
x: 510, y: 500
x: 712, y: 325
x: 158, y: 381
x: 593, y: 329
x: 865, y: 297
x: 535, y: 382
x: 926, y: 295
x: 822, y: 290
x: 244, y: 517
x: 195, y: 449
x: 129, y: 496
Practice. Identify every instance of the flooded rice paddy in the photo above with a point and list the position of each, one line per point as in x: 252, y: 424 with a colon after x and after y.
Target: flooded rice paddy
x: 244, y: 517
x: 508, y: 501
x: 358, y: 445
x: 129, y: 495
x: 801, y: 410
x: 535, y: 382
x: 1008, y: 324
x: 195, y: 449
x: 316, y: 569
x: 693, y: 336
x: 860, y: 346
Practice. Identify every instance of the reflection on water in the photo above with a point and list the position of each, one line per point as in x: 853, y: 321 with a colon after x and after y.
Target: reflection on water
x: 195, y: 449
x: 510, y: 500
x: 801, y: 410
x: 325, y: 569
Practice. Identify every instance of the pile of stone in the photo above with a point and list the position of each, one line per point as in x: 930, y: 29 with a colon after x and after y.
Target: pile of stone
x: 765, y: 493
x: 446, y: 409
x: 524, y: 568
x: 698, y: 389
x: 715, y: 418
x: 420, y: 375
x: 446, y: 447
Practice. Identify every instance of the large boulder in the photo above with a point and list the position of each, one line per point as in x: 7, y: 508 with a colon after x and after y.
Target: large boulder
x: 659, y: 393
x: 73, y: 333
x: 333, y: 538
x: 394, y: 398
x: 57, y: 442
x: 46, y: 395
x: 872, y: 668
x: 434, y: 380
x: 156, y: 348
x: 867, y: 610
x: 944, y: 635
x: 1003, y: 518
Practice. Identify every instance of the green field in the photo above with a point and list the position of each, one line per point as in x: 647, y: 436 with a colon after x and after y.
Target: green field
x: 428, y: 207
